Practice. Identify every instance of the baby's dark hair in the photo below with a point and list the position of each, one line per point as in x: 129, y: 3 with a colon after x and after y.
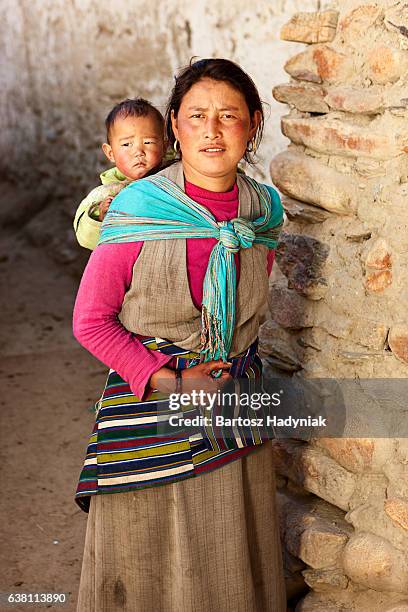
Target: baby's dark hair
x: 132, y: 107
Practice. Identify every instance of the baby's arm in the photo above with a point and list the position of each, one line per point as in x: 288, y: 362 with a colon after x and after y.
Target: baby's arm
x: 104, y: 206
x: 88, y: 217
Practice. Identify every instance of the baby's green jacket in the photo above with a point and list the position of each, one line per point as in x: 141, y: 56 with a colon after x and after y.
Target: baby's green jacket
x: 87, y: 226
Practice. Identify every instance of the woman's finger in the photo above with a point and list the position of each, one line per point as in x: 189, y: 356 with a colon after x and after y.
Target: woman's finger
x: 218, y: 365
x: 225, y: 375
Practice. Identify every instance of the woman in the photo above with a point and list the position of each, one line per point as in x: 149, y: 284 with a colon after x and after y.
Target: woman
x: 171, y: 296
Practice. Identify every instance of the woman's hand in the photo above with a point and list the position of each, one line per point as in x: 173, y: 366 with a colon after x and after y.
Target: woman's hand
x: 196, y: 378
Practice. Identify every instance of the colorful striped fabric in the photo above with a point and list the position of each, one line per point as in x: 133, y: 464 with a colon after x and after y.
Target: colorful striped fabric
x: 131, y: 447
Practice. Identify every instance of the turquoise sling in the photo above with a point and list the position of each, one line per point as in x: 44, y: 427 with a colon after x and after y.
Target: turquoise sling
x: 155, y: 208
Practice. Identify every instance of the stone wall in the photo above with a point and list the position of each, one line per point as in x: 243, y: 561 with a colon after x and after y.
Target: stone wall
x: 338, y: 301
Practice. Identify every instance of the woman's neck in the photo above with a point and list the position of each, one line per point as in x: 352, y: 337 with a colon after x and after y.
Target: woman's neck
x: 212, y: 183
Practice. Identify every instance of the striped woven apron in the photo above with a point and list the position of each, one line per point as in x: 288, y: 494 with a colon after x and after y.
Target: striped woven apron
x: 128, y: 449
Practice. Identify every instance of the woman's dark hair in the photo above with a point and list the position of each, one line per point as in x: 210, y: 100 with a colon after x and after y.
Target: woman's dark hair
x: 219, y: 70
x: 133, y: 107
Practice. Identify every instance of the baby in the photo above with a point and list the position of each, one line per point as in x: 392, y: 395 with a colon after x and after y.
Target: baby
x: 135, y: 144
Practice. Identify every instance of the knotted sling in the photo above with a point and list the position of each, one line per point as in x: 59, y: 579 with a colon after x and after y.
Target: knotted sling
x: 155, y: 208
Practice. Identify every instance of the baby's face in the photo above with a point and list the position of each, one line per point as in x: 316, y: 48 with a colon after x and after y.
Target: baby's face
x: 136, y: 145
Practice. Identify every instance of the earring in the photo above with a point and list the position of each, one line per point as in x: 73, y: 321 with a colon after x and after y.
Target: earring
x: 251, y: 146
x: 175, y: 146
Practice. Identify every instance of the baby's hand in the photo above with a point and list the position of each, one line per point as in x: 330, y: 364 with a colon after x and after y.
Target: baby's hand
x: 103, y: 207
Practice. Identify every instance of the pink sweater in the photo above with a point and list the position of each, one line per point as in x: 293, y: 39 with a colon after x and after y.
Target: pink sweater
x: 108, y: 276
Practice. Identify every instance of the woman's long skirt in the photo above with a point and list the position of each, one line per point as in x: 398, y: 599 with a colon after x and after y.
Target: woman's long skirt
x: 205, y: 544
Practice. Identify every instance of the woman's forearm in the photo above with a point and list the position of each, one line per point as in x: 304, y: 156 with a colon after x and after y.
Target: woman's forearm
x: 96, y: 325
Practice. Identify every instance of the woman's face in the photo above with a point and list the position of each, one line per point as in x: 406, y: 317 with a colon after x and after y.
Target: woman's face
x: 213, y: 128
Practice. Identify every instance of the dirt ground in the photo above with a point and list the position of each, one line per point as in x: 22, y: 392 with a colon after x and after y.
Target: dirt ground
x: 49, y: 384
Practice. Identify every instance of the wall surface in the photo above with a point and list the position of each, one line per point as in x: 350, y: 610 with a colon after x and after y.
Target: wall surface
x: 65, y: 64
x: 339, y: 306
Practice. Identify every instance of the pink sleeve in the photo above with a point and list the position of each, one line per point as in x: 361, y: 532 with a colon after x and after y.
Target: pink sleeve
x: 96, y: 326
x: 270, y: 260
